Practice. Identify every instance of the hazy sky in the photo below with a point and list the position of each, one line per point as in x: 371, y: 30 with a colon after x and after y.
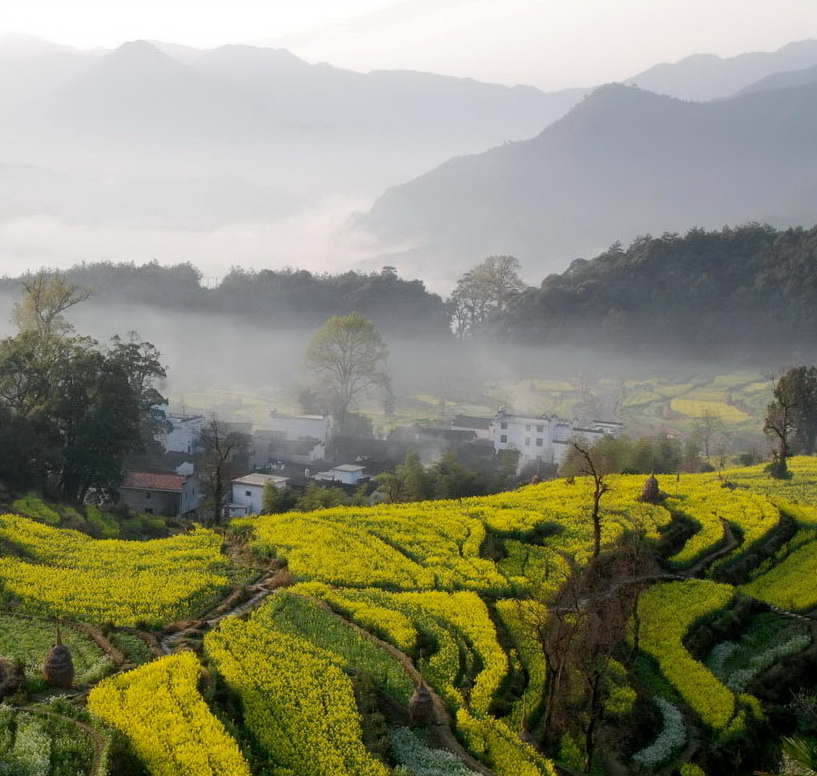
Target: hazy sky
x: 549, y: 43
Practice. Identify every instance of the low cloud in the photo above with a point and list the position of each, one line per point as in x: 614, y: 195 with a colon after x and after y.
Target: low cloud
x: 320, y: 239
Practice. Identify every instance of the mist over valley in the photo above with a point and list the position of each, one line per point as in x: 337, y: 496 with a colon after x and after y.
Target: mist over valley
x: 250, y: 156
x: 378, y: 420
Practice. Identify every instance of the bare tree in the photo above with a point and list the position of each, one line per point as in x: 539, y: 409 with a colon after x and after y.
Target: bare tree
x: 600, y: 487
x: 579, y: 632
x: 555, y: 626
x: 707, y: 424
x: 221, y: 457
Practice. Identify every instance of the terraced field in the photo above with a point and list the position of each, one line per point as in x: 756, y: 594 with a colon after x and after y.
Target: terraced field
x: 463, y: 598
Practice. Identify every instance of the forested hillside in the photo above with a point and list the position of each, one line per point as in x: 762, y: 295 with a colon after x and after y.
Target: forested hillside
x: 749, y: 290
x: 286, y: 299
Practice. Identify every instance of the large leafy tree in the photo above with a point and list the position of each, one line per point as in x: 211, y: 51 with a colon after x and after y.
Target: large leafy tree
x: 141, y: 363
x: 76, y: 409
x: 96, y: 417
x: 804, y: 384
x: 48, y: 295
x: 791, y: 416
x: 347, y: 357
x: 486, y: 288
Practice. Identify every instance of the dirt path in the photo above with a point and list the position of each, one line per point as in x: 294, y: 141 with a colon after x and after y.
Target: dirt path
x: 99, y: 639
x: 261, y: 589
x: 98, y: 741
x: 730, y: 542
x: 442, y: 719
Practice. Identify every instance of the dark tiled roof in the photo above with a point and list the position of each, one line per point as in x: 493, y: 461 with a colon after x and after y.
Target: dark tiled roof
x: 448, y: 434
x: 472, y: 421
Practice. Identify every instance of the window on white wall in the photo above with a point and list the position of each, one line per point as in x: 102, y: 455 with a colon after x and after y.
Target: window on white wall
x: 503, y: 439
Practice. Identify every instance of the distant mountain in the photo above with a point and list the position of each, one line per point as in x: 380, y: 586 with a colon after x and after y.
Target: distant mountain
x: 624, y: 162
x: 20, y: 45
x: 137, y: 91
x: 707, y: 76
x: 184, y: 54
x: 155, y: 134
x: 30, y: 67
x: 785, y: 80
x: 257, y: 113
x: 323, y: 95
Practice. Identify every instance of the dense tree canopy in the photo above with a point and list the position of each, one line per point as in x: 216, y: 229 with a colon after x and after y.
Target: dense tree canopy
x: 70, y: 410
x: 659, y: 454
x: 287, y: 298
x: 750, y: 290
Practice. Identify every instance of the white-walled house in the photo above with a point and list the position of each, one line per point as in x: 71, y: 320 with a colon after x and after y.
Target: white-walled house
x: 247, y: 497
x: 181, y: 432
x: 270, y: 447
x: 301, y: 426
x: 545, y: 437
x: 293, y: 438
x: 346, y: 473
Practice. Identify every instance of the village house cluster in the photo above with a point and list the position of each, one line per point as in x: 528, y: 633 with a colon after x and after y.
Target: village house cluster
x: 293, y: 450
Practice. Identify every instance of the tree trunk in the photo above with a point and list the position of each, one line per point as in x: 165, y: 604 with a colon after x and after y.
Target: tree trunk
x: 595, y: 713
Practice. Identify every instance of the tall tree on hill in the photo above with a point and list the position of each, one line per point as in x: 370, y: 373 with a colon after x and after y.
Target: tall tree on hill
x: 76, y: 406
x: 791, y: 416
x: 347, y: 357
x: 48, y: 296
x: 97, y: 417
x: 141, y: 363
x: 486, y: 288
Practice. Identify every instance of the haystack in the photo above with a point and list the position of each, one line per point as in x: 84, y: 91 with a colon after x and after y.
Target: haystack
x: 58, y: 669
x: 421, y: 706
x: 11, y: 677
x: 651, y: 493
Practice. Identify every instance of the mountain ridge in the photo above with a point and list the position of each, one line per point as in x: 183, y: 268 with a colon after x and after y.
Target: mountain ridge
x: 704, y: 77
x: 621, y: 163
